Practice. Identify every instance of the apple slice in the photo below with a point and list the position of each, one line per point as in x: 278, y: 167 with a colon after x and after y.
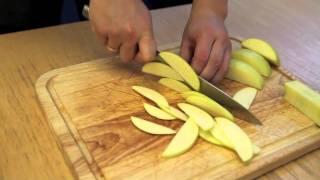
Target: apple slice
x: 182, y: 67
x: 245, y: 96
x: 152, y: 95
x: 244, y: 73
x: 161, y: 70
x: 239, y: 139
x: 150, y: 127
x: 186, y: 94
x: 254, y: 59
x: 157, y: 113
x: 210, y: 106
x: 174, y: 84
x: 202, y: 118
x: 206, y: 135
x: 304, y: 99
x: 183, y: 140
x: 175, y: 112
x: 263, y: 48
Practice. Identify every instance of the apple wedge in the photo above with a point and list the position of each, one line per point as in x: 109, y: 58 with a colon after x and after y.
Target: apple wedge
x: 245, y: 96
x: 210, y: 106
x: 202, y: 118
x: 239, y: 139
x: 152, y: 95
x: 182, y: 67
x: 187, y: 94
x: 206, y: 135
x: 161, y: 70
x: 254, y: 59
x: 150, y: 127
x: 157, y: 113
x: 263, y: 48
x: 183, y: 140
x: 245, y: 74
x: 174, y: 85
x: 175, y: 112
x: 304, y: 99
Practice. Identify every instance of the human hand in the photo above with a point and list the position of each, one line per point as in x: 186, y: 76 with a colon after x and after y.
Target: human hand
x: 124, y: 27
x: 205, y: 42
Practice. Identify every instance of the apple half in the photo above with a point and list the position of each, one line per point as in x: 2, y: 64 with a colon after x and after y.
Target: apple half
x: 244, y: 73
x: 150, y: 127
x: 174, y: 85
x: 181, y: 67
x: 245, y: 96
x: 202, y: 118
x: 254, y: 59
x: 183, y: 140
x: 262, y: 47
x: 157, y: 112
x: 152, y: 95
x: 161, y: 70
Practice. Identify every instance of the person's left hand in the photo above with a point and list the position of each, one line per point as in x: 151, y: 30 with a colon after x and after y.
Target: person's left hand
x: 205, y: 42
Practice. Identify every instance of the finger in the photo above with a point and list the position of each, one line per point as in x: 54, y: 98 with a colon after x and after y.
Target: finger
x: 128, y: 51
x: 215, y: 60
x: 147, y: 49
x: 224, y: 66
x: 114, y: 42
x: 201, y: 54
x: 186, y: 49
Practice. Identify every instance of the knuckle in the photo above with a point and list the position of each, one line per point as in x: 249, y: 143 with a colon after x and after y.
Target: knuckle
x: 202, y: 56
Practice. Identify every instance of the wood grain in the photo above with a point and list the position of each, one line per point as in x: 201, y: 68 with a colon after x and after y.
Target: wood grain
x: 29, y: 151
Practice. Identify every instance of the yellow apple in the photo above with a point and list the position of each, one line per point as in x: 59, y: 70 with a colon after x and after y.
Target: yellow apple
x: 174, y: 84
x: 162, y: 70
x: 183, y: 140
x: 186, y: 94
x: 304, y: 99
x: 245, y: 96
x: 182, y: 67
x: 244, y: 73
x: 206, y: 135
x: 254, y: 59
x: 150, y: 127
x: 152, y: 95
x: 175, y: 112
x: 202, y: 118
x: 210, y: 106
x: 157, y: 113
x: 262, y: 47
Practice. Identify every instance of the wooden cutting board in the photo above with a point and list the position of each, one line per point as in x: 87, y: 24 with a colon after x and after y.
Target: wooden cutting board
x: 89, y: 106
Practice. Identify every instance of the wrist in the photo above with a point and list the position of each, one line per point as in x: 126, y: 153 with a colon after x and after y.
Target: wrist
x: 217, y: 7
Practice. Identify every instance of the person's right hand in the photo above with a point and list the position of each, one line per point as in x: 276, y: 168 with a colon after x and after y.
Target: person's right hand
x: 124, y: 27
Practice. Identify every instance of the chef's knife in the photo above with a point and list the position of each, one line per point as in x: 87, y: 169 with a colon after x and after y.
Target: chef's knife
x: 215, y: 93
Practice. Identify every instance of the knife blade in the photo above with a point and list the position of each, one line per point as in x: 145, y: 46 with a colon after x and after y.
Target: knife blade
x: 224, y: 99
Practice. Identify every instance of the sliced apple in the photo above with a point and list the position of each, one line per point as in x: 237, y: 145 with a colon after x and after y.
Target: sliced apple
x: 183, y: 140
x: 256, y: 150
x: 254, y: 59
x: 150, y: 127
x: 152, y: 95
x: 304, y: 99
x: 174, y: 84
x: 239, y: 139
x: 245, y: 74
x: 206, y: 135
x: 186, y: 94
x: 157, y: 112
x: 263, y: 48
x: 175, y: 112
x: 245, y: 96
x: 210, y: 106
x: 202, y: 118
x: 182, y: 67
x: 161, y: 70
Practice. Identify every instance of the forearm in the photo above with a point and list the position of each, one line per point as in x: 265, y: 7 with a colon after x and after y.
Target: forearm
x: 218, y: 7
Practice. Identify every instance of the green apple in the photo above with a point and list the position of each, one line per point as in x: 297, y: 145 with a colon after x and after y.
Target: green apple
x: 157, y: 113
x: 244, y: 73
x: 245, y: 96
x: 183, y: 140
x: 152, y: 95
x: 202, y: 118
x: 254, y: 59
x: 161, y: 70
x: 182, y: 67
x: 262, y: 47
x: 174, y: 84
x: 304, y: 99
x: 150, y: 127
